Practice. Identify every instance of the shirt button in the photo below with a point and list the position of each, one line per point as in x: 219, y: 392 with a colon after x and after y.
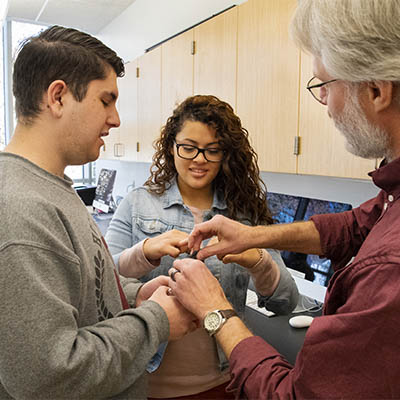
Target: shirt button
x: 390, y: 198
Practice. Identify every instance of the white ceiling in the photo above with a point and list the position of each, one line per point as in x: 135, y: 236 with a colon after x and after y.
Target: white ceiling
x: 88, y: 15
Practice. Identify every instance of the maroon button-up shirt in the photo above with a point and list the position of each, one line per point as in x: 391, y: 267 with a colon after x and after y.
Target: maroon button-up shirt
x: 353, y: 350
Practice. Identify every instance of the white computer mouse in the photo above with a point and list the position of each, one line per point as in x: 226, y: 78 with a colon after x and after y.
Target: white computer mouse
x: 300, y: 321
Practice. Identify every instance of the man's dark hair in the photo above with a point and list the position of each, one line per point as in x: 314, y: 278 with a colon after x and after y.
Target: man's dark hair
x: 67, y: 54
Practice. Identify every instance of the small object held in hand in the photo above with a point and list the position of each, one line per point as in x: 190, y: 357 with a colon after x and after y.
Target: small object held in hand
x: 193, y: 255
x: 169, y: 292
x: 173, y: 274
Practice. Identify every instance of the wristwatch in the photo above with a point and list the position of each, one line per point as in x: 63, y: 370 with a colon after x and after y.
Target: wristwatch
x: 214, y: 320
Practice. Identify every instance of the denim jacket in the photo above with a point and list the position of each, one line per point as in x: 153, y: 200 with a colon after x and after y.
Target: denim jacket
x: 143, y: 214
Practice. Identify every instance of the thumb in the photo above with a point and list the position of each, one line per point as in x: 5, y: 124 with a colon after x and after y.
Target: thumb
x: 231, y: 258
x: 211, y: 250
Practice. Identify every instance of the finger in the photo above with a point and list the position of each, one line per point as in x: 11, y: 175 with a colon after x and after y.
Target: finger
x: 196, y: 237
x: 183, y: 248
x: 173, y: 252
x: 184, y: 242
x: 173, y: 273
x: 231, y: 258
x: 163, y: 280
x: 226, y: 259
x: 211, y: 250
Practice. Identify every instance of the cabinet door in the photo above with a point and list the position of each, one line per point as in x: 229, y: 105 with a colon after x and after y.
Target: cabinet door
x: 177, y: 72
x: 215, y: 57
x: 268, y: 81
x: 149, y: 102
x: 111, y: 143
x: 322, y: 146
x: 107, y: 151
x: 128, y: 113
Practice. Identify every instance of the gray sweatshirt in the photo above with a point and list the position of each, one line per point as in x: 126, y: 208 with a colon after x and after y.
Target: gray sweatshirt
x: 63, y: 331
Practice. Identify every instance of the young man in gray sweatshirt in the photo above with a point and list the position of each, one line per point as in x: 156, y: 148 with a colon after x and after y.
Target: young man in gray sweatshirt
x: 70, y: 326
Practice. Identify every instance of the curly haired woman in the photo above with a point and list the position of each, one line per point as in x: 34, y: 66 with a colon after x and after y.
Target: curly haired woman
x: 204, y: 165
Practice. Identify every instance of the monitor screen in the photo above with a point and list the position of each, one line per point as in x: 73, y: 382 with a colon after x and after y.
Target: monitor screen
x: 103, y: 198
x: 286, y: 209
x: 283, y: 207
x: 322, y: 266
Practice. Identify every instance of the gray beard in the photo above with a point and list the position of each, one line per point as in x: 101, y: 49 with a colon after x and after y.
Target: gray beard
x: 362, y: 138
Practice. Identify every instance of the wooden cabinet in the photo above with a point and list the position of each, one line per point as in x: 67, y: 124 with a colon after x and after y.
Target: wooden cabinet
x: 128, y: 113
x: 107, y: 152
x: 268, y: 81
x: 149, y: 103
x: 177, y: 72
x: 121, y: 142
x: 215, y: 57
x: 139, y: 106
x: 201, y: 60
x: 245, y: 57
x: 322, y: 146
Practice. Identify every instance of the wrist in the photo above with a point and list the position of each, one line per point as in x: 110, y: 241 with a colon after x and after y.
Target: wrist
x: 216, y: 319
x: 139, y: 298
x: 224, y: 305
x: 260, y: 256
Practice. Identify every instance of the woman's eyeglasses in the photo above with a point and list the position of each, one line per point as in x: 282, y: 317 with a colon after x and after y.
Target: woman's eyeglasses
x: 190, y: 152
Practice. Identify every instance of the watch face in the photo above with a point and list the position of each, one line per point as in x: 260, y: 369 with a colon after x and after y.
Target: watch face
x: 212, y: 321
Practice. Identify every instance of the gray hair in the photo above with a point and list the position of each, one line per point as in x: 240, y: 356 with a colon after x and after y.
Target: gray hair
x: 357, y: 40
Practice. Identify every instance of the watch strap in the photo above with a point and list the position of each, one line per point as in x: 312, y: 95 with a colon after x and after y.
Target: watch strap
x: 228, y: 313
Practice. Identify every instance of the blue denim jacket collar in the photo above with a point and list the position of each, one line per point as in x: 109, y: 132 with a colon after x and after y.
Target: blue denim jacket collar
x: 173, y: 196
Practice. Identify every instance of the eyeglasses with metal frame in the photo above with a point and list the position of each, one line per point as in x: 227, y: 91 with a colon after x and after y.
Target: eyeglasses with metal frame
x: 190, y: 152
x: 314, y: 89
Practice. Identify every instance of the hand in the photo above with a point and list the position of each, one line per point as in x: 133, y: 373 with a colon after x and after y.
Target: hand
x: 197, y: 288
x: 180, y: 320
x: 167, y: 243
x: 149, y: 288
x: 233, y: 237
x: 247, y: 259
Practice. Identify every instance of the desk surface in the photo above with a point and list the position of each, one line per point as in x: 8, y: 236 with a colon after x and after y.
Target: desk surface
x: 277, y: 331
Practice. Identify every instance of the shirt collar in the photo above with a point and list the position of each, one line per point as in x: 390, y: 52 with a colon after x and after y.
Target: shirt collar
x: 387, y: 176
x: 173, y: 196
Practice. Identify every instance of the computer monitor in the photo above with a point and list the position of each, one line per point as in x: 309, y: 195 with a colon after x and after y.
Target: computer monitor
x: 103, y: 199
x: 322, y: 266
x: 286, y: 209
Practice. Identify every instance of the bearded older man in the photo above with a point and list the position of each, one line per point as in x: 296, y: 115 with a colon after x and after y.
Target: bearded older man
x: 352, y: 350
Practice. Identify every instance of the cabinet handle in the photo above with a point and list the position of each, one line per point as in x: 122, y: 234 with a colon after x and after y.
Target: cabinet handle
x: 296, y: 149
x: 137, y: 147
x: 118, y: 150
x: 193, y: 49
x: 137, y: 72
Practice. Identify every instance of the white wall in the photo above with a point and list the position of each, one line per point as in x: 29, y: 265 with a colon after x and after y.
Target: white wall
x: 148, y: 22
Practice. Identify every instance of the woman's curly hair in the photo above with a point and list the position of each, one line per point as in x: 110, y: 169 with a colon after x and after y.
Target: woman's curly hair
x: 238, y: 180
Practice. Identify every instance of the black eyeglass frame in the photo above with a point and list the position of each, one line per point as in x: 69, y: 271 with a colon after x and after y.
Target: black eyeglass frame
x: 316, y: 86
x: 199, y: 150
